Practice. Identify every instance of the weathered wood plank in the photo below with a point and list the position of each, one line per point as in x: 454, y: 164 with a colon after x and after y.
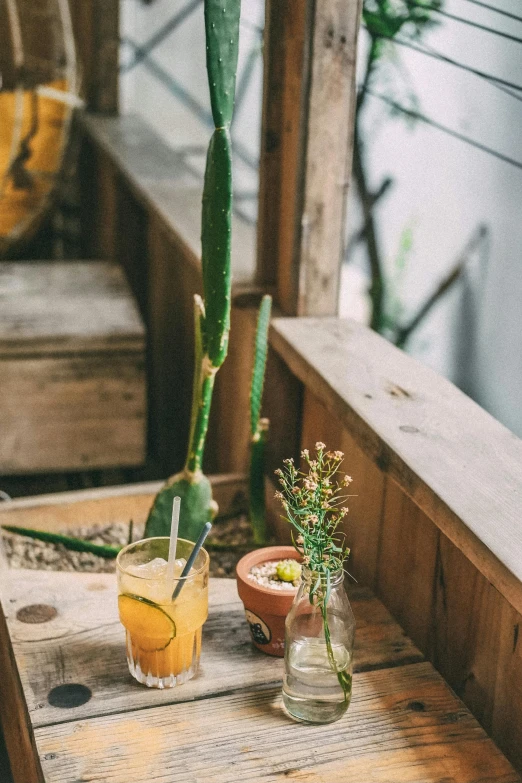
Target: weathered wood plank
x: 96, y: 32
x: 49, y: 308
x: 14, y: 720
x: 403, y: 725
x: 363, y: 524
x: 70, y: 413
x: 330, y: 123
x: 424, y: 432
x: 84, y: 644
x: 287, y: 41
x: 308, y: 107
x: 105, y: 506
x: 475, y: 645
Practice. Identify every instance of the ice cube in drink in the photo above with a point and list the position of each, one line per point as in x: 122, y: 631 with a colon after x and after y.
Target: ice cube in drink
x: 163, y: 635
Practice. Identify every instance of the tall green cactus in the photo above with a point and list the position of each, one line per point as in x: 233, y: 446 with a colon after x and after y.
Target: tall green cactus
x: 212, y: 317
x: 259, y: 426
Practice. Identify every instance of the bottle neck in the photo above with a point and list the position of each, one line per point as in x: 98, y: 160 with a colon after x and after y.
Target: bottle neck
x: 309, y: 576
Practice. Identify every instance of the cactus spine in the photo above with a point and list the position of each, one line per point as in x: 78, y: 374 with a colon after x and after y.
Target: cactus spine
x: 259, y: 426
x: 212, y: 318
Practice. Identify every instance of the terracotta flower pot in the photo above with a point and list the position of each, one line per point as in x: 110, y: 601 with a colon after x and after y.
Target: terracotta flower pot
x: 265, y: 607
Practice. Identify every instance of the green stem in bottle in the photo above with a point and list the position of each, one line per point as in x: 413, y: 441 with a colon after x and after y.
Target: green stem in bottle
x: 345, y: 679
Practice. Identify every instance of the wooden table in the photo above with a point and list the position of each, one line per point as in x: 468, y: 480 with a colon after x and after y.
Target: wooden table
x: 226, y: 725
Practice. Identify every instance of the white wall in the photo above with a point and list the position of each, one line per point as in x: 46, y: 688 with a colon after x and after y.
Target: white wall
x: 443, y: 189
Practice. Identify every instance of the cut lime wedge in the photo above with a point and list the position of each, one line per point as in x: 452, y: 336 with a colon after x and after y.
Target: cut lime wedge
x: 149, y: 625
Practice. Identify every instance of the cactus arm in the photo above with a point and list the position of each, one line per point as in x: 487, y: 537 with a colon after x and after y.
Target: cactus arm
x: 258, y: 375
x: 199, y: 319
x: 216, y: 245
x: 258, y: 426
x: 212, y: 327
x: 222, y: 36
x: 69, y: 542
x: 257, y: 483
x: 197, y: 445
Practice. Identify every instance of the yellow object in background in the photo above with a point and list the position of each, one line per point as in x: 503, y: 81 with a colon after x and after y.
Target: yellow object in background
x: 34, y: 132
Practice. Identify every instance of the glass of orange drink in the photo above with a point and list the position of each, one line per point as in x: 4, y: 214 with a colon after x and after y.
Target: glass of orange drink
x: 163, y: 616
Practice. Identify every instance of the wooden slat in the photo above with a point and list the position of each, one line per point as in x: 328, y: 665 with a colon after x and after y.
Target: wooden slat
x: 476, y: 647
x: 287, y: 40
x: 106, y: 506
x: 230, y: 423
x: 96, y: 30
x: 15, y: 721
x: 103, y: 95
x: 85, y: 644
x: 425, y: 433
x: 172, y: 283
x: 70, y: 413
x: 49, y: 308
x: 330, y: 121
x: 363, y: 524
x: 403, y: 725
x: 308, y: 107
x: 407, y: 564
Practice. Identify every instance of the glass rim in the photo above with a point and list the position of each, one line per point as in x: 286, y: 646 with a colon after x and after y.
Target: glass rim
x: 193, y: 575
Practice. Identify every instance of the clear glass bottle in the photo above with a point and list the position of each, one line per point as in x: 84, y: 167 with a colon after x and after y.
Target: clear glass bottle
x: 317, y: 685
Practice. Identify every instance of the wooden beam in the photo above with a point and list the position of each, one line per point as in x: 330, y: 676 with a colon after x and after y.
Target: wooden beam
x: 306, y: 151
x: 459, y: 465
x: 96, y: 29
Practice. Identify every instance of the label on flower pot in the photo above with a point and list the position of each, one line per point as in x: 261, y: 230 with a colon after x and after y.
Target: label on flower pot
x: 259, y: 629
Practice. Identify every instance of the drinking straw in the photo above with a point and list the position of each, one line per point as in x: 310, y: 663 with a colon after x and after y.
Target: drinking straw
x: 190, y: 562
x: 173, y: 537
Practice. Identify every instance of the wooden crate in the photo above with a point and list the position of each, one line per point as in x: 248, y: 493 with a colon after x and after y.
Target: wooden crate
x: 72, y: 368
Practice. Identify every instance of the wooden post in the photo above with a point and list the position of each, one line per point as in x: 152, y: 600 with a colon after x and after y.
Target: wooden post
x: 96, y: 29
x: 306, y: 151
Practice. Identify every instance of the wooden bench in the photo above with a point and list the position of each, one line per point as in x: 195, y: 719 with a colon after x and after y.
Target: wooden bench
x: 72, y: 378
x: 226, y: 725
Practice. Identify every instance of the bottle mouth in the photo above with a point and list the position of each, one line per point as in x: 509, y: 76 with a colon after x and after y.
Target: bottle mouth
x: 309, y: 575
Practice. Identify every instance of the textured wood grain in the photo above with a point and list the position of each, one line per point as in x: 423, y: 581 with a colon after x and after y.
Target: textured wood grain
x: 14, y: 716
x: 363, y: 524
x: 66, y: 307
x: 71, y: 413
x: 287, y: 42
x: 407, y: 564
x: 72, y: 375
x: 308, y: 107
x: 424, y: 432
x: 403, y: 725
x: 329, y: 126
x: 96, y: 32
x: 84, y: 643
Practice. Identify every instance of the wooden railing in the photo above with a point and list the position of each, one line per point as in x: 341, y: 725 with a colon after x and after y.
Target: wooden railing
x: 434, y: 526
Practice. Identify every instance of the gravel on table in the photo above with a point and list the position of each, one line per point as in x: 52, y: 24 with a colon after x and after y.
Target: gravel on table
x: 23, y: 552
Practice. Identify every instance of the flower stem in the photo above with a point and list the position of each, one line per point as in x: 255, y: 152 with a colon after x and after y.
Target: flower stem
x: 345, y: 680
